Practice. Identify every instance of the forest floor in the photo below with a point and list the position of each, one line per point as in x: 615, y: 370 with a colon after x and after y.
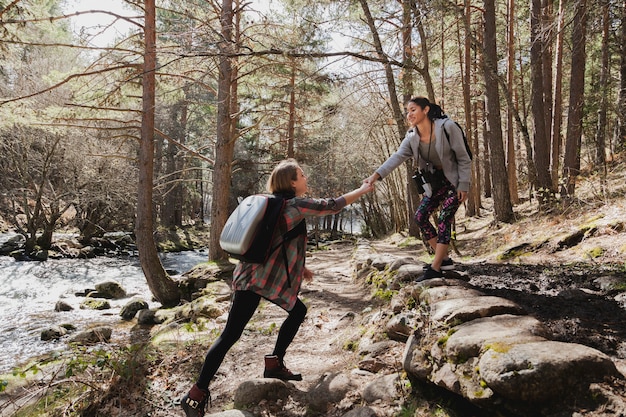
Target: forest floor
x: 556, y: 265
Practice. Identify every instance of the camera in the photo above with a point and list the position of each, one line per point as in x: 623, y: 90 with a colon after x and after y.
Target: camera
x: 423, y: 186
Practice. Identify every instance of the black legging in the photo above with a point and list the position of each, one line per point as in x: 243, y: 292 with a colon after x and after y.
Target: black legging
x: 243, y: 307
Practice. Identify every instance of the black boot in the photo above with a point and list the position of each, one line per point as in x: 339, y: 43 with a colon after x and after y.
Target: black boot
x: 194, y: 402
x: 275, y: 368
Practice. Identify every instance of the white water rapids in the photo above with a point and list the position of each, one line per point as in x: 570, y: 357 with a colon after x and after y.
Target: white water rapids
x: 30, y: 290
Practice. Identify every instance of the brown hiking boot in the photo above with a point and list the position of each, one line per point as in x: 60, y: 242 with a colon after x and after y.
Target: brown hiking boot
x: 194, y: 402
x: 275, y: 368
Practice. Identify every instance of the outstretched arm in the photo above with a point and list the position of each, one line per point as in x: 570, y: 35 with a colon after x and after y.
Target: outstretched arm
x: 372, y: 178
x: 354, y: 195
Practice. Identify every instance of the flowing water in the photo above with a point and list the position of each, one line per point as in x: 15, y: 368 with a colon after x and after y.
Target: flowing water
x: 30, y: 290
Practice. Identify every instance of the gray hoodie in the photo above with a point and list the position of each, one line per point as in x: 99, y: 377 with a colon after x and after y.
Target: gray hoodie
x: 456, y: 163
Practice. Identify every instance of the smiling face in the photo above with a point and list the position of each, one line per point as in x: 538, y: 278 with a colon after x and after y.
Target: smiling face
x: 415, y: 114
x: 300, y: 183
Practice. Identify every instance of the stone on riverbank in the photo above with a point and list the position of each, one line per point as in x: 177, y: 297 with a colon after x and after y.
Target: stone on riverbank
x: 91, y: 336
x: 131, y: 308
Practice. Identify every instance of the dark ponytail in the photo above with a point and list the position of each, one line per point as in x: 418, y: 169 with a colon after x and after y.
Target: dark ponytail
x: 435, y: 111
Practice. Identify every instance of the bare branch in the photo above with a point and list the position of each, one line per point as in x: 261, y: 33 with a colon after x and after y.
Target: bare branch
x: 67, y: 79
x: 129, y: 19
x: 186, y: 148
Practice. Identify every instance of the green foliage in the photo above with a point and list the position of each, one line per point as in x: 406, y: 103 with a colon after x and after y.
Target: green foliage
x: 3, y: 385
x: 384, y: 294
x: 270, y: 329
x: 351, y: 345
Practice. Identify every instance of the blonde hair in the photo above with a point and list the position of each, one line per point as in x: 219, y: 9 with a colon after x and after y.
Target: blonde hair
x: 282, y: 175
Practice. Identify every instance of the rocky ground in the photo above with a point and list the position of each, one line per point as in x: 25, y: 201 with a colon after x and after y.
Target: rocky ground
x: 569, y: 287
x: 565, y: 268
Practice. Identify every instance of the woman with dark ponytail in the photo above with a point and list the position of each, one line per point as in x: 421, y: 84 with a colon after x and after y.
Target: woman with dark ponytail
x: 443, y: 177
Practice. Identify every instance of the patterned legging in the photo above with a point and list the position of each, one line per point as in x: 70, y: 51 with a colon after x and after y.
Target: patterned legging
x: 446, y: 197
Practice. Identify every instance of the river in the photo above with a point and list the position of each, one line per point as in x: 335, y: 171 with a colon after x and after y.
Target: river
x: 30, y: 290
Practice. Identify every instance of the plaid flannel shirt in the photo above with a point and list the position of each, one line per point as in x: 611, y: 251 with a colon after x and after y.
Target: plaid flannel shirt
x: 270, y: 280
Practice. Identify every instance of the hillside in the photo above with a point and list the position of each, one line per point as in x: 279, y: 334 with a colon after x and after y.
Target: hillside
x: 540, y: 261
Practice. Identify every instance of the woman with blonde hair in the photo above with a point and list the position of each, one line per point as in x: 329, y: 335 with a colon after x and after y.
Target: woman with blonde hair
x: 277, y: 280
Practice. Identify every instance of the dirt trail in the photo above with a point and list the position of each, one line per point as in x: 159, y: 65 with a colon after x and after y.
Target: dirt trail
x: 333, y: 299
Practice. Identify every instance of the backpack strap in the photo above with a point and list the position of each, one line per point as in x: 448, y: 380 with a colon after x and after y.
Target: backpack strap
x: 467, y: 148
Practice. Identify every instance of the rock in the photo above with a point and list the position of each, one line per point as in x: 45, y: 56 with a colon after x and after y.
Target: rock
x: 95, y: 304
x: 256, y: 390
x: 409, y: 272
x: 330, y: 388
x: 62, y: 306
x: 539, y: 371
x: 146, y: 316
x: 383, y: 388
x: 53, y: 333
x: 433, y: 295
x: 200, y: 307
x: 397, y: 263
x: 375, y: 349
x: 39, y: 255
x: 414, y: 360
x: 95, y: 335
x: 110, y: 290
x: 131, y: 308
x: 446, y: 377
x: 471, y: 338
x: 12, y: 244
x: 231, y: 413
x: 361, y: 412
x: 372, y: 365
x: 399, y: 327
x: 466, y: 309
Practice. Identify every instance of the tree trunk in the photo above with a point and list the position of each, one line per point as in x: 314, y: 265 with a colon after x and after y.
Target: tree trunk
x: 291, y: 127
x: 465, y: 60
x: 571, y: 163
x: 396, y: 107
x: 547, y: 22
x: 225, y: 144
x: 407, y: 92
x: 603, y: 92
x: 171, y: 212
x: 621, y: 140
x: 511, y: 163
x: 501, y: 197
x: 557, y: 106
x: 425, y: 72
x: 161, y: 285
x: 542, y: 151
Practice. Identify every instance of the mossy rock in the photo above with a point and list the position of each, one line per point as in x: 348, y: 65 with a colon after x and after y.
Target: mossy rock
x: 515, y: 252
x: 596, y: 252
x: 95, y: 304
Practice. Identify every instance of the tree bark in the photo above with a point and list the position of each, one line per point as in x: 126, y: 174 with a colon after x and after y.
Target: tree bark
x: 161, y: 285
x: 474, y: 198
x: 571, y: 162
x: 511, y: 163
x: 603, y: 91
x: 396, y: 107
x: 225, y: 143
x: 407, y: 92
x: 621, y: 104
x: 291, y: 124
x: 542, y: 151
x: 501, y: 197
x: 557, y: 106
